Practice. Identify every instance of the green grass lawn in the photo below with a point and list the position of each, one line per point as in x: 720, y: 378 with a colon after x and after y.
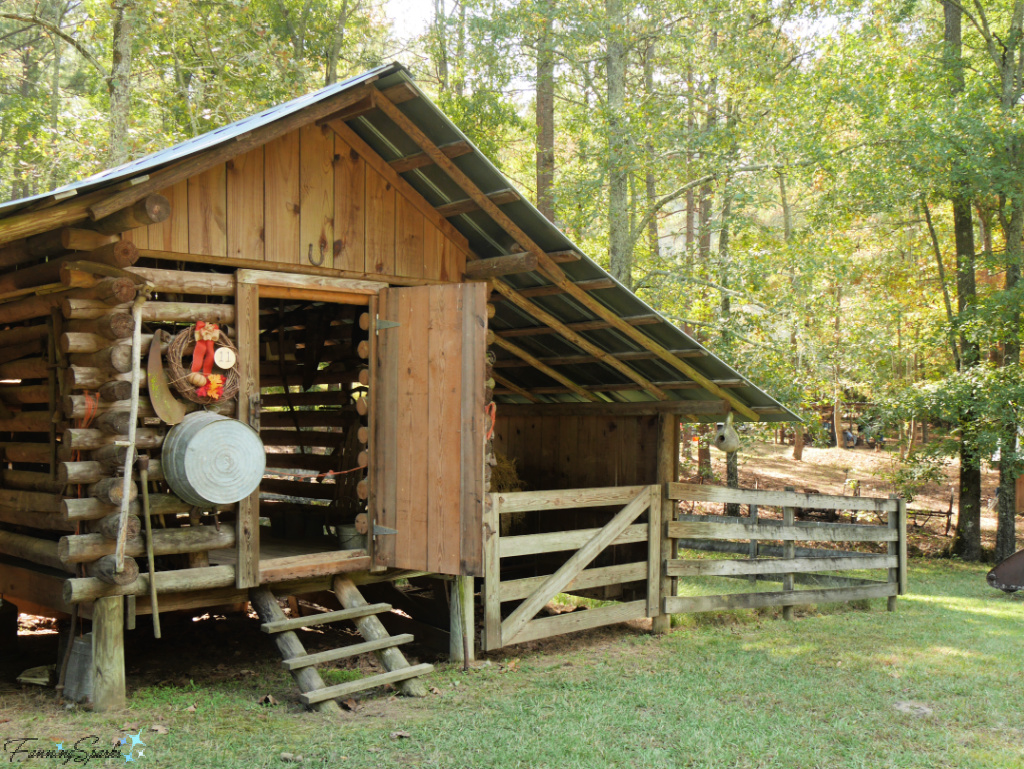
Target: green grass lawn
x: 739, y: 690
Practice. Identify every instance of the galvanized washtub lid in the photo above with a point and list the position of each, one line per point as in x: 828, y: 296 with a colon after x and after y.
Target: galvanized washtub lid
x: 210, y: 459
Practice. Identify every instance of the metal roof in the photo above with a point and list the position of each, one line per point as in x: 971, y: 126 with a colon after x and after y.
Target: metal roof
x: 487, y: 239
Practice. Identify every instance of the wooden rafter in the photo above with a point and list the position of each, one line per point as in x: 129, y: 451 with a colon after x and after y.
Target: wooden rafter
x: 551, y: 270
x: 574, y: 360
x: 584, y: 344
x: 587, y: 285
x: 519, y: 351
x: 627, y: 387
x: 421, y: 159
x: 583, y: 325
x: 516, y: 389
x: 456, y: 207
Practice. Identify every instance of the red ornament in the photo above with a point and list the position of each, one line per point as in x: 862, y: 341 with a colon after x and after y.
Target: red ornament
x: 202, y: 358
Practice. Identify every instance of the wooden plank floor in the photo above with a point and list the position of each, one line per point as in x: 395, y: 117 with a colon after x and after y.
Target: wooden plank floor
x: 271, y: 548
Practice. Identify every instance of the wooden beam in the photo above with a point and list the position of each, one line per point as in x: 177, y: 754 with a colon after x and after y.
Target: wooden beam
x: 496, y: 266
x: 514, y: 388
x: 574, y: 360
x: 498, y: 198
x: 196, y: 164
x: 352, y: 111
x: 637, y: 409
x: 585, y: 285
x: 629, y: 387
x: 583, y: 325
x: 586, y: 345
x: 516, y: 350
x: 546, y: 265
x: 398, y: 94
x: 421, y: 159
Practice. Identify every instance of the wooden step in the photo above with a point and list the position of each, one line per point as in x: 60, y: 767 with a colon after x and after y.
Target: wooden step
x: 322, y: 619
x: 351, y: 687
x: 346, y: 651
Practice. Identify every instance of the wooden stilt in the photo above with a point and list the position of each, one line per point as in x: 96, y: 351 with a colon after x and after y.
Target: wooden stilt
x: 108, y: 654
x: 462, y: 641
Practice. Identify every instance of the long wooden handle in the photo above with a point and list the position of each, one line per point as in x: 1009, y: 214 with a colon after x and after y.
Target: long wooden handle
x: 153, y: 608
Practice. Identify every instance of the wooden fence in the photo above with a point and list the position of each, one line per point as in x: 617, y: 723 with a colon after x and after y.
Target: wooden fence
x: 786, y: 564
x: 535, y: 592
x: 664, y: 533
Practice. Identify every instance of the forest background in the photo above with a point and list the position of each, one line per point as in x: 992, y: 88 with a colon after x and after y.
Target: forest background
x: 829, y: 193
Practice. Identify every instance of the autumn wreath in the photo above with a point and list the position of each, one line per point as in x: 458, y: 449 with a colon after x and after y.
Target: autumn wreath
x: 212, y: 383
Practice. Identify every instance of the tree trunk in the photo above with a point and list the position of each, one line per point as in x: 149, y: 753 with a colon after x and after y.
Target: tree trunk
x: 967, y: 539
x: 337, y: 43
x: 546, y: 112
x: 650, y: 182
x: 732, y: 479
x: 620, y: 256
x: 1009, y: 467
x: 120, y: 79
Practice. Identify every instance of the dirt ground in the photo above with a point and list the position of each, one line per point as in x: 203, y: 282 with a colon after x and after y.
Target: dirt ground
x: 771, y: 466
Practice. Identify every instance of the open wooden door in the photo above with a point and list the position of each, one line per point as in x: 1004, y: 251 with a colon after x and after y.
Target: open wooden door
x: 427, y: 428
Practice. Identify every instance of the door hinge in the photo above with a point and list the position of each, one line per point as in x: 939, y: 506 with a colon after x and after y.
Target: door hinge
x: 387, y: 324
x: 379, y: 530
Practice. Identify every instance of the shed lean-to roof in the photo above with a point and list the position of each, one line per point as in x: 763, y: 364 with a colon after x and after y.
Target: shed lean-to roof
x: 624, y: 357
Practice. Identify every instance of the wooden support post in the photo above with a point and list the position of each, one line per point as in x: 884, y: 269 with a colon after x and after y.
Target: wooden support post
x: 788, y: 551
x: 668, y: 472
x: 372, y: 629
x: 8, y: 627
x: 492, y: 573
x: 108, y: 654
x: 461, y: 638
x: 247, y: 573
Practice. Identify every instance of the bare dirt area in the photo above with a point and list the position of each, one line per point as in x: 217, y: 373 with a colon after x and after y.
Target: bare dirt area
x: 771, y: 466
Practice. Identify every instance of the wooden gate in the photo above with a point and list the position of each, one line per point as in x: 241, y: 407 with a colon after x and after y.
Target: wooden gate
x: 427, y: 427
x: 521, y: 625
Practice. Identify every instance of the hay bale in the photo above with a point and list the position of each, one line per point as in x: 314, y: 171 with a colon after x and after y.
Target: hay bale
x: 504, y: 476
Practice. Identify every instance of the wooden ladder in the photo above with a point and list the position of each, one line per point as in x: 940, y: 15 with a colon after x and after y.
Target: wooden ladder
x: 364, y: 615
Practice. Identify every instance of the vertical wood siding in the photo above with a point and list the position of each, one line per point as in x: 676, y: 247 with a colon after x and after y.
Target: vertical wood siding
x: 309, y: 193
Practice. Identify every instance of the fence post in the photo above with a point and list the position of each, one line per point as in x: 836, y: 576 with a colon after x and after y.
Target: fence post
x: 753, y: 543
x: 788, y: 551
x: 893, y: 548
x: 492, y: 572
x: 667, y: 472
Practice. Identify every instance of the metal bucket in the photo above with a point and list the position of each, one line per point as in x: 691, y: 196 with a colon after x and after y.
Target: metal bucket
x: 350, y: 539
x: 209, y: 459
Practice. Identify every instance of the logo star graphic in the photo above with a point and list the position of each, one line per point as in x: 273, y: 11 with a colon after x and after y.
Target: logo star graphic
x: 123, y: 741
x: 128, y: 757
x: 141, y: 753
x: 60, y: 745
x: 136, y: 739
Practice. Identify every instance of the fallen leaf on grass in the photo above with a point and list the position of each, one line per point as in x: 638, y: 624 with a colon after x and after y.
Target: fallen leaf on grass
x: 400, y: 734
x: 267, y: 699
x: 435, y: 690
x: 373, y: 750
x: 191, y: 708
x: 350, y: 704
x: 159, y: 729
x: 292, y: 758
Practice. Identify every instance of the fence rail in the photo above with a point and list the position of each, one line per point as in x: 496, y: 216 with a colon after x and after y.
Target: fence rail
x: 814, y: 568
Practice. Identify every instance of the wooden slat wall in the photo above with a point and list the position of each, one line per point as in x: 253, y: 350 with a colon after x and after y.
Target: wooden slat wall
x: 308, y: 192
x: 579, y: 452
